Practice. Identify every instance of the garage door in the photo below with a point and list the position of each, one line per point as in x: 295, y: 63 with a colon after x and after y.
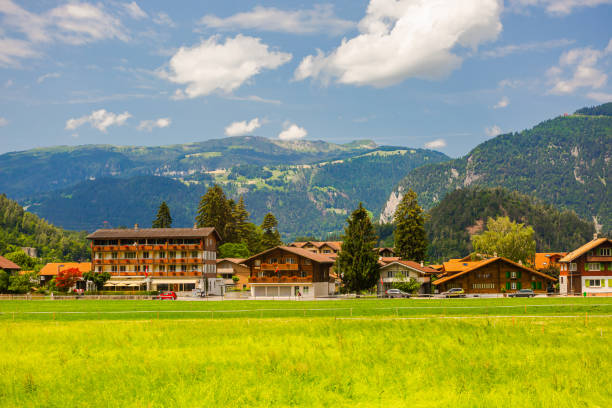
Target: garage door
x: 285, y: 291
x: 260, y: 291
x: 272, y: 290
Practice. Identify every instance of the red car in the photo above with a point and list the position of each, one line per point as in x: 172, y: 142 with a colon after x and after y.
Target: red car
x: 167, y: 295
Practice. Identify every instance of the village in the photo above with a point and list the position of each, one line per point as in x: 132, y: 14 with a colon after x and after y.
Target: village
x: 184, y: 261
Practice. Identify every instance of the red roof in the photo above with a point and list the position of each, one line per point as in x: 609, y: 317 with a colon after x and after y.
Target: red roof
x: 320, y: 258
x: 8, y: 265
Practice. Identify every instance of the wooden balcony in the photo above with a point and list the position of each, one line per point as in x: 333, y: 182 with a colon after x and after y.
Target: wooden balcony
x: 281, y: 267
x: 598, y: 258
x: 282, y: 279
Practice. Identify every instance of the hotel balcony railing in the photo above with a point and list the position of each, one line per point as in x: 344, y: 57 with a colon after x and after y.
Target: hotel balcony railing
x: 282, y: 279
x: 280, y: 266
x: 134, y: 261
x: 147, y: 247
x: 158, y: 274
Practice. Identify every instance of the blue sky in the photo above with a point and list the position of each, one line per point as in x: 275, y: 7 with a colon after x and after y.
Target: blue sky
x: 444, y: 74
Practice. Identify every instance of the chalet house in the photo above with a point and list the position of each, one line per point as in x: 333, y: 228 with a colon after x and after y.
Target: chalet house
x: 287, y: 271
x: 545, y: 260
x: 329, y: 248
x: 52, y: 269
x: 8, y: 266
x: 178, y: 259
x: 587, y: 269
x: 398, y: 270
x: 490, y: 276
x: 385, y: 252
x: 230, y: 267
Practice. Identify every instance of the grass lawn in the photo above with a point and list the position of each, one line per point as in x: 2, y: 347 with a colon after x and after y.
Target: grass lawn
x: 375, y: 359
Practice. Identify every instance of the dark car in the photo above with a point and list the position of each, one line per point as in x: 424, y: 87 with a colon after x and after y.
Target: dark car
x: 396, y: 293
x: 522, y: 293
x: 454, y: 292
x: 170, y: 295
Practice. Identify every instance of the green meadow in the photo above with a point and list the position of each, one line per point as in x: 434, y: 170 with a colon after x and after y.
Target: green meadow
x: 477, y: 352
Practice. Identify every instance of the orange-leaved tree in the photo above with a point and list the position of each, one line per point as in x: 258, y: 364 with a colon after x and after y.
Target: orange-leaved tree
x: 67, y: 278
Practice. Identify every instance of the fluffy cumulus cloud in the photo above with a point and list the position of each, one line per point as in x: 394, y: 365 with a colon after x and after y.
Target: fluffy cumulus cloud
x: 321, y: 18
x: 492, y: 131
x: 406, y: 39
x: 556, y: 7
x: 213, y: 65
x: 3, y: 121
x: 292, y: 131
x: 435, y: 144
x: 100, y: 119
x: 149, y: 125
x: 579, y: 68
x: 243, y: 127
x: 503, y: 102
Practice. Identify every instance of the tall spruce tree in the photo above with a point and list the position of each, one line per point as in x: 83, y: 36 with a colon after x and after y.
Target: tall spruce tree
x: 270, y: 237
x: 410, y: 236
x: 163, y: 219
x: 240, y: 215
x: 214, y: 211
x: 357, y: 261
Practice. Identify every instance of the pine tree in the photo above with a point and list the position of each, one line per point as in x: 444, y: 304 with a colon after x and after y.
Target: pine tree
x: 214, y: 210
x: 271, y: 236
x: 240, y: 215
x: 357, y: 261
x: 163, y: 219
x: 410, y: 236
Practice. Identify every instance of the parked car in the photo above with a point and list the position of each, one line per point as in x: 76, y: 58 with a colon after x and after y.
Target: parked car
x: 454, y: 292
x: 396, y: 293
x: 170, y: 295
x: 522, y: 293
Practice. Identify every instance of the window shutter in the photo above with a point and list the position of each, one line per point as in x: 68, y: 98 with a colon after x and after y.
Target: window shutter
x: 507, y: 285
x: 610, y: 283
x: 508, y: 274
x: 519, y: 274
x: 539, y: 285
x: 518, y: 285
x: 533, y: 285
x: 587, y: 283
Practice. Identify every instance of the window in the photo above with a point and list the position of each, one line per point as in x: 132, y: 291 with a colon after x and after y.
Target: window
x: 389, y: 274
x: 162, y: 268
x: 162, y: 254
x: 113, y: 268
x: 114, y: 255
x: 99, y: 268
x: 573, y: 266
x: 184, y: 268
x: 257, y: 262
x: 605, y: 251
x: 305, y: 290
x: 592, y: 283
x: 561, y: 280
x: 326, y: 251
x: 306, y: 261
x: 593, y: 266
x: 171, y: 254
x: 129, y: 255
x: 513, y: 275
x: 122, y: 268
x: 172, y: 268
x: 483, y: 286
x: 513, y: 285
x: 183, y: 254
x: 145, y: 255
x: 290, y: 260
x: 272, y: 260
x: 194, y: 254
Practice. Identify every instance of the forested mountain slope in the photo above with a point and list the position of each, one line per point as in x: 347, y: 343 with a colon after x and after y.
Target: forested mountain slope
x: 564, y: 161
x: 465, y: 211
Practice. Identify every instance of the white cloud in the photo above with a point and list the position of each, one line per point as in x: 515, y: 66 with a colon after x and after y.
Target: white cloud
x: 292, y: 132
x: 492, y: 131
x: 243, y: 127
x: 406, y: 39
x: 319, y: 19
x: 556, y: 7
x: 600, y: 96
x: 149, y: 125
x: 502, y: 51
x: 162, y: 18
x: 581, y: 66
x: 44, y: 77
x: 503, y: 102
x: 214, y: 66
x: 100, y: 119
x: 510, y: 83
x: 134, y: 10
x: 12, y: 50
x: 435, y: 144
x: 3, y: 121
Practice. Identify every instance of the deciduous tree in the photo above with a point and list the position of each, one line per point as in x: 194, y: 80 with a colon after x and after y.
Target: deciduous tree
x: 506, y: 238
x: 98, y: 278
x: 163, y: 219
x: 67, y: 278
x: 357, y: 261
x: 410, y: 237
x: 233, y: 250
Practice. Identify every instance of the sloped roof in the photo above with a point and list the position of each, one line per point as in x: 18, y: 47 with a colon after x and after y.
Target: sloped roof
x: 488, y: 261
x: 8, y: 265
x: 318, y: 244
x: 128, y: 233
x: 584, y: 249
x: 53, y: 268
x: 412, y: 265
x: 381, y: 249
x: 320, y: 258
x: 236, y: 261
x: 457, y: 265
x: 543, y: 259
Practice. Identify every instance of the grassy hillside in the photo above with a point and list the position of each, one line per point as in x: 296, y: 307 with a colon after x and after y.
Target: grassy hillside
x: 306, y: 199
x: 464, y: 212
x: 19, y: 228
x: 564, y: 161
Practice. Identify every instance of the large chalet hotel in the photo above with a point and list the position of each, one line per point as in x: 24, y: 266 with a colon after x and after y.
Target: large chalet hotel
x: 178, y: 259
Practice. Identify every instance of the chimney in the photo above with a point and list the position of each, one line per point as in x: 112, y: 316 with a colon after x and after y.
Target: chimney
x: 135, y: 226
x: 594, y: 236
x: 195, y: 225
x: 494, y: 254
x: 421, y: 264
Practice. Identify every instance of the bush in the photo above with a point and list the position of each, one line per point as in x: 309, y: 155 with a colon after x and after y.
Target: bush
x: 409, y: 286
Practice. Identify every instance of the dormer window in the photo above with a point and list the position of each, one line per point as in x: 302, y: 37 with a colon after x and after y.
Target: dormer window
x: 605, y: 251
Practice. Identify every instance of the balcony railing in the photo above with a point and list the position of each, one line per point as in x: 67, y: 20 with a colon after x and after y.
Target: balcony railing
x: 282, y: 279
x: 148, y: 247
x: 598, y: 258
x: 280, y: 266
x: 134, y: 261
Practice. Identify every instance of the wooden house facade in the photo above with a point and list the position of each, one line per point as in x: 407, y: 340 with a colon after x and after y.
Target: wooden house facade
x: 587, y: 270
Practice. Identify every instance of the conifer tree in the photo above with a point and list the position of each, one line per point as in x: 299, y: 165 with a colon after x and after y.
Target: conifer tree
x: 240, y: 215
x: 357, y: 261
x: 214, y: 210
x: 271, y: 236
x: 410, y: 237
x: 163, y: 219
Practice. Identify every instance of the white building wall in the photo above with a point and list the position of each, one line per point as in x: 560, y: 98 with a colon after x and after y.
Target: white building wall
x: 605, y: 287
x: 563, y: 285
x: 282, y: 291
